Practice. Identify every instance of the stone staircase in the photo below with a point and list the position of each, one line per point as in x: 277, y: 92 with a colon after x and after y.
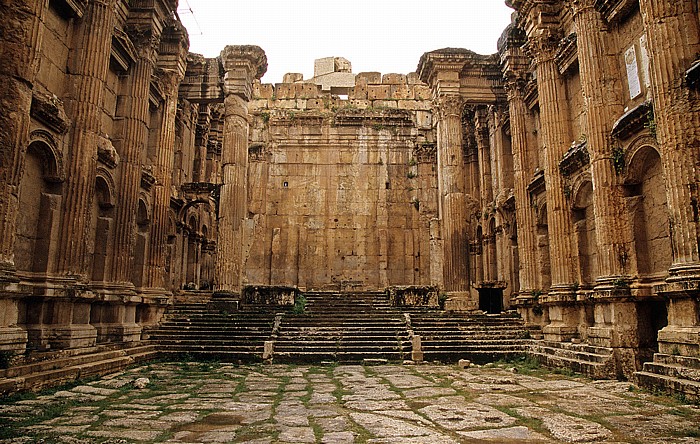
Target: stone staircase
x: 448, y: 337
x: 673, y: 374
x: 195, y: 331
x: 50, y: 369
x: 342, y: 327
x: 593, y: 361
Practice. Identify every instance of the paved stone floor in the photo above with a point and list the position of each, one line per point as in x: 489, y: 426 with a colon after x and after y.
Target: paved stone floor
x: 218, y: 403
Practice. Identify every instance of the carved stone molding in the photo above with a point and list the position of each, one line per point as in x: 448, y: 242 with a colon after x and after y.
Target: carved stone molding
x: 450, y: 106
x: 633, y: 121
x: 575, y: 159
x: 615, y: 10
x: 567, y: 53
x: 106, y: 153
x: 259, y: 152
x: 425, y: 152
x: 48, y: 109
x: 543, y: 43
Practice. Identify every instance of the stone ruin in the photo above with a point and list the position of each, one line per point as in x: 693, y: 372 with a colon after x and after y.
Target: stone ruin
x: 556, y: 177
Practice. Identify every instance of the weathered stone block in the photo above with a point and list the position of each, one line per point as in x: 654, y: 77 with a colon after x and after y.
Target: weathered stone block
x: 394, y: 79
x: 292, y: 77
x: 368, y: 78
x: 378, y: 92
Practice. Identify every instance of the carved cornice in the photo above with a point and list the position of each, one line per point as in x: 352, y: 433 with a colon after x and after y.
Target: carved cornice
x: 147, y: 178
x: 48, y: 109
x: 632, y: 121
x: 359, y: 117
x: 451, y: 59
x: 123, y: 52
x: 616, y: 10
x: 567, y: 53
x: 71, y: 8
x: 575, y: 159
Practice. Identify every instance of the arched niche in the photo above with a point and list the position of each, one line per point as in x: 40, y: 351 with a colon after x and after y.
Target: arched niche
x: 585, y: 232
x: 102, y: 221
x: 647, y: 204
x: 39, y: 205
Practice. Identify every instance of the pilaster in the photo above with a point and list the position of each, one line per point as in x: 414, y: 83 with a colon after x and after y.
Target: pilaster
x: 242, y: 65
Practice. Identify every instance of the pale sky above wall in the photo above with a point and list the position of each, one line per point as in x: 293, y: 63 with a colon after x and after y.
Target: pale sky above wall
x: 388, y: 36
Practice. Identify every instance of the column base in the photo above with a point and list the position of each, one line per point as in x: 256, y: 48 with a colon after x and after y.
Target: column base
x: 676, y: 340
x: 118, y: 332
x: 559, y: 333
x: 13, y: 340
x: 49, y: 337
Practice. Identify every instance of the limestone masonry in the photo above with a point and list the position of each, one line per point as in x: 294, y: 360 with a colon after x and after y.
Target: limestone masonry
x: 558, y: 178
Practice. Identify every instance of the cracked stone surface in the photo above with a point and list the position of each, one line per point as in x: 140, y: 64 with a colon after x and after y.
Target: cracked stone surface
x: 192, y: 403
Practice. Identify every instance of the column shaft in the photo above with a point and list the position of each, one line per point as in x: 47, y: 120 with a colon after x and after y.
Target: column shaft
x: 135, y: 139
x: 18, y: 68
x: 555, y: 135
x: 232, y: 204
x: 603, y: 104
x: 527, y: 226
x: 453, y: 215
x: 94, y: 39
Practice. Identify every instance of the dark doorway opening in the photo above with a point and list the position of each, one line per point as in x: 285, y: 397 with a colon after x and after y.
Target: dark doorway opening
x: 491, y: 300
x: 652, y: 317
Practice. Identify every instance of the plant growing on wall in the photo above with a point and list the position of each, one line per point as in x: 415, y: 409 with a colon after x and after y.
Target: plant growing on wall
x: 618, y: 159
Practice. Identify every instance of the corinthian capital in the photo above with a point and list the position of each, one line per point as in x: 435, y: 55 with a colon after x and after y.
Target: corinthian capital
x: 542, y: 43
x: 450, y: 106
x: 242, y: 64
x: 578, y: 6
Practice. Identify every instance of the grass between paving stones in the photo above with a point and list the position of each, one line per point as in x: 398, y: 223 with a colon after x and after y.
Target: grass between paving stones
x: 531, y: 423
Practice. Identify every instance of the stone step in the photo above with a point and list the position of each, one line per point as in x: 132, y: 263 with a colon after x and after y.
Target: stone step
x: 217, y: 355
x: 685, y: 361
x: 593, y: 369
x: 669, y: 384
x: 343, y: 357
x: 672, y: 370
x: 40, y: 375
x: 582, y: 352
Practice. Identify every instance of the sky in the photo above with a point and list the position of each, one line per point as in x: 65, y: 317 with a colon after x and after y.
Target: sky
x: 388, y: 36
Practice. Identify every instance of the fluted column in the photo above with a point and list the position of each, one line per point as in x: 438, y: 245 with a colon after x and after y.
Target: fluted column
x: 453, y: 202
x: 134, y: 141
x: 525, y: 216
x: 673, y: 44
x: 84, y: 107
x: 242, y: 64
x: 603, y: 104
x: 162, y: 171
x: 22, y: 33
x: 556, y: 140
